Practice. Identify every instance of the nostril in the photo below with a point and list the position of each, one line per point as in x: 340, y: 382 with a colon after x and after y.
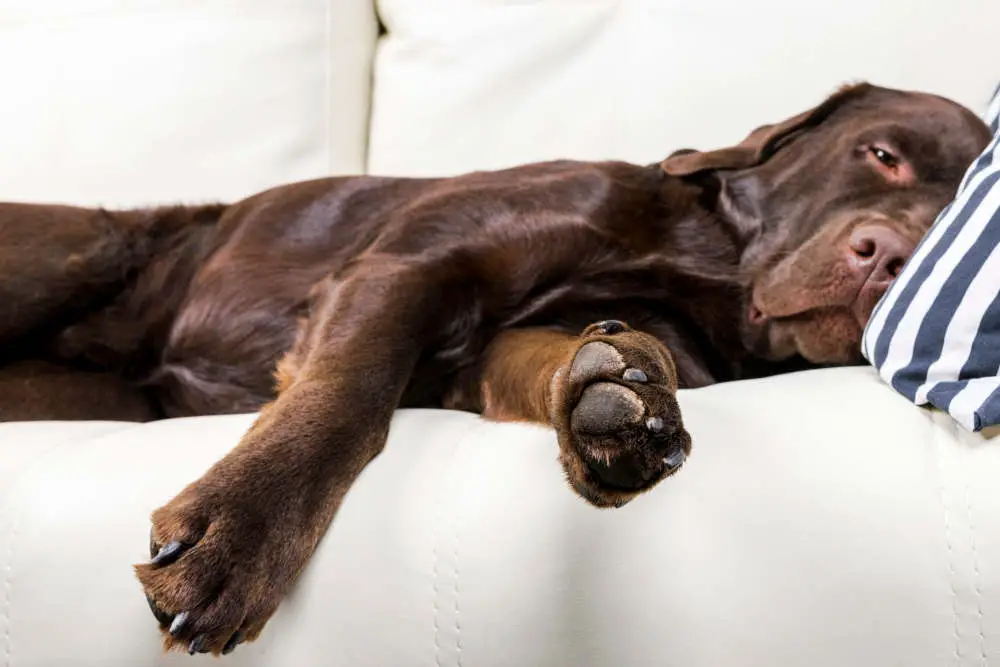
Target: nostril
x: 878, y: 252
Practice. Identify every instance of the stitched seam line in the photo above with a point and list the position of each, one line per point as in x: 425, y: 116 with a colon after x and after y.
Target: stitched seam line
x: 366, y: 147
x: 8, y: 575
x: 458, y: 613
x: 976, y: 576
x: 438, y: 516
x: 951, y: 555
x: 434, y: 583
x: 446, y: 493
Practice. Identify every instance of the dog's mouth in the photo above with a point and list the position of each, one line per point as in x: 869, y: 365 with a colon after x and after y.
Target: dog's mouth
x: 823, y: 335
x: 761, y: 334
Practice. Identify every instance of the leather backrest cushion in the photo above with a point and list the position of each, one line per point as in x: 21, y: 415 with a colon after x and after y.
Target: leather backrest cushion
x: 132, y: 102
x: 474, y: 84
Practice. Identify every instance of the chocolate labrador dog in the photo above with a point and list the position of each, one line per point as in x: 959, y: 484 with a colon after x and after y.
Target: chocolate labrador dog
x: 328, y: 304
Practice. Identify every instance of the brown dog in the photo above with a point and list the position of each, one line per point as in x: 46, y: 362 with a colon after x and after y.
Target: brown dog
x: 471, y: 292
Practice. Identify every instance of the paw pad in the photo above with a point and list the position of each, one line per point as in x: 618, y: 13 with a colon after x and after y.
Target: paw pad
x: 606, y: 408
x: 596, y: 359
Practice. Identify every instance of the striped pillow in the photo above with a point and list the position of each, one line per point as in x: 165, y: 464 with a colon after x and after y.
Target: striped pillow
x: 935, y: 335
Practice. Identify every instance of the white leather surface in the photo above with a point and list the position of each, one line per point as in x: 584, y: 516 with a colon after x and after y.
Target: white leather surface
x: 135, y: 102
x: 821, y: 521
x: 475, y: 84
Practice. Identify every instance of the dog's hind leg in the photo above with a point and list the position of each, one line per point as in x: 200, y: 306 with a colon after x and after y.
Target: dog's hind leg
x: 59, y: 262
x: 36, y: 390
x: 56, y: 261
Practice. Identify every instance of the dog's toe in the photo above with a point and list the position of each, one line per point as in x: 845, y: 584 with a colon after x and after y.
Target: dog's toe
x: 162, y: 617
x: 233, y: 642
x: 198, y: 645
x: 179, y: 623
x: 594, y: 360
x: 168, y: 553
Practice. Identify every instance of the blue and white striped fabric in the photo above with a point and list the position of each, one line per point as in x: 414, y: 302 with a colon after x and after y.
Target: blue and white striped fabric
x: 935, y: 335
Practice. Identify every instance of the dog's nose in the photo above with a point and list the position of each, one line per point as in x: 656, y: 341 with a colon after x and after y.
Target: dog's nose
x: 876, y: 254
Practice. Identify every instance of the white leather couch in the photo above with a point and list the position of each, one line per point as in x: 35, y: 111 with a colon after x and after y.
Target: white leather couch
x: 821, y: 521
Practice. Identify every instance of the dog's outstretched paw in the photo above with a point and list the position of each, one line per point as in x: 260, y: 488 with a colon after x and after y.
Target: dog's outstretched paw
x: 614, y: 408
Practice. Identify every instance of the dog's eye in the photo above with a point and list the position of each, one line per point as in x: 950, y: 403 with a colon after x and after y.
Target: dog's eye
x: 885, y: 157
x: 892, y: 167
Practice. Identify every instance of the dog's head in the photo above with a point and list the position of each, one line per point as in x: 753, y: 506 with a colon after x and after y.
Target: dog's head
x: 831, y: 204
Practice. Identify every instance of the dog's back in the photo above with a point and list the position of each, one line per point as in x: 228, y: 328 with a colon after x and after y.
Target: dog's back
x: 195, y: 305
x: 245, y: 304
x: 189, y: 305
x: 242, y: 306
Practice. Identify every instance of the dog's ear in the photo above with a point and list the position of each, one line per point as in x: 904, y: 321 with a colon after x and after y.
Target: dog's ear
x: 760, y: 144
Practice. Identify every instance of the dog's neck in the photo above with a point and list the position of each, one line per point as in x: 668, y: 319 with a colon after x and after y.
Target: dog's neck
x: 741, y: 205
x: 729, y: 222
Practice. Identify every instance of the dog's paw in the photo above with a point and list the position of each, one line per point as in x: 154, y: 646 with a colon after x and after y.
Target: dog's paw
x: 614, y: 409
x: 221, y: 561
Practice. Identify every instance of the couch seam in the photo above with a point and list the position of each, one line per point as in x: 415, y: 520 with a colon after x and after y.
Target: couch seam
x: 458, y: 610
x: 977, y: 579
x: 8, y: 573
x: 438, y: 518
x: 455, y: 550
x: 434, y: 583
x: 945, y: 507
x: 366, y: 149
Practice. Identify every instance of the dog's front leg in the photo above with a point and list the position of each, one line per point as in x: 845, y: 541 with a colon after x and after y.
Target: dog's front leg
x: 225, y: 550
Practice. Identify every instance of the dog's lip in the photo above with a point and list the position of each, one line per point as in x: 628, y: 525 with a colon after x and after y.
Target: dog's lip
x: 756, y: 315
x: 756, y: 318
x: 757, y: 323
x: 759, y: 317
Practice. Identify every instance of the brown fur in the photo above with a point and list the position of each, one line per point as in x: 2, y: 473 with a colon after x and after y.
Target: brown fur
x: 359, y: 295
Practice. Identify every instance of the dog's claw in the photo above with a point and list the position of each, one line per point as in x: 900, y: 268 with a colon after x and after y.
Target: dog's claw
x: 177, y: 626
x: 197, y: 645
x: 163, y: 617
x: 675, y: 460
x: 233, y: 642
x: 654, y: 424
x: 168, y: 554
x: 610, y: 327
x: 635, y: 375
